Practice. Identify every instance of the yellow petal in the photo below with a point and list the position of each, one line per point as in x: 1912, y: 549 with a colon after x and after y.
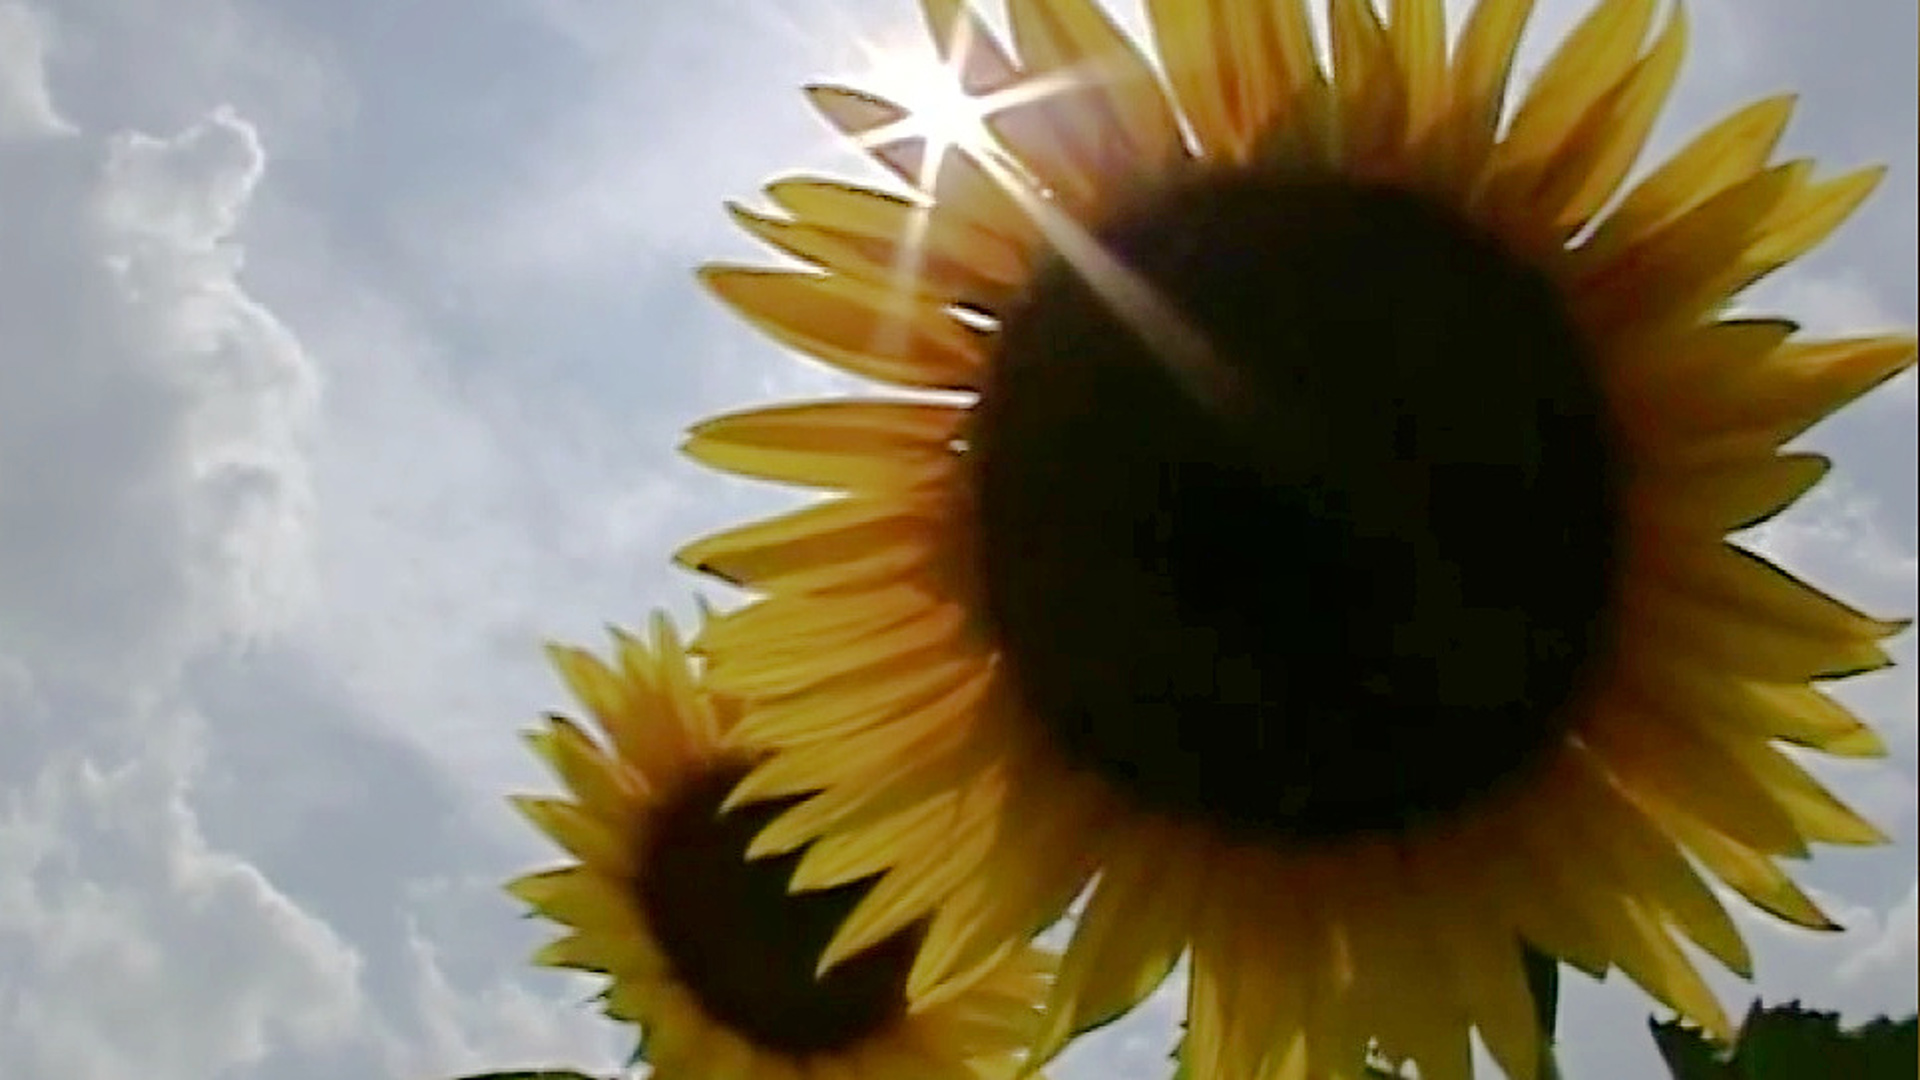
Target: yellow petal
x: 852, y: 445
x: 947, y: 237
x: 1373, y: 99
x: 579, y: 897
x: 830, y: 545
x: 1588, y: 168
x: 1793, y: 712
x: 1672, y: 763
x: 1129, y: 117
x: 849, y: 855
x: 866, y: 329
x: 1646, y: 863
x: 877, y: 699
x: 908, y: 893
x: 1482, y: 66
x: 1795, y: 387
x: 1735, y: 579
x: 1748, y: 872
x: 606, y: 789
x: 864, y: 117
x: 1810, y: 215
x: 1804, y: 715
x: 1484, y: 956
x: 1707, y: 503
x: 773, y: 635
x: 1417, y: 30
x: 1810, y: 806
x: 1184, y: 33
x: 1134, y: 927
x: 1023, y: 884
x: 851, y: 768
x: 1650, y: 958
x: 1589, y: 62
x: 1690, y: 265
x: 1741, y: 641
x: 931, y: 256
x: 1725, y: 155
x: 626, y: 956
x: 586, y: 836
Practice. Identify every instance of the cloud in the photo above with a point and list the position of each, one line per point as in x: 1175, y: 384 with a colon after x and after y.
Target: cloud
x: 153, y: 503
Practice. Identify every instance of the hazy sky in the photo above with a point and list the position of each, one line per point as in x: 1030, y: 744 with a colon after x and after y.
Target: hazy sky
x: 346, y: 343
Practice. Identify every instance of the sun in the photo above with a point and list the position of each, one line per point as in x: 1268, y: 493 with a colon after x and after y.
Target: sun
x: 1324, y: 546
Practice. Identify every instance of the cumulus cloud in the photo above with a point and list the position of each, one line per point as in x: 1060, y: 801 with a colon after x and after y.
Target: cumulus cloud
x: 152, y: 503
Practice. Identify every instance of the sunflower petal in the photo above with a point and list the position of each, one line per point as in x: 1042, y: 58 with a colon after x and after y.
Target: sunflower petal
x: 833, y: 544
x: 603, y: 787
x: 1804, y: 715
x: 844, y: 445
x: 961, y: 37
x: 579, y: 897
x: 773, y: 630
x: 1748, y: 872
x: 1811, y: 214
x: 1677, y: 765
x: 1589, y: 62
x: 1589, y: 167
x: 805, y: 718
x: 1733, y: 577
x: 1076, y: 39
x: 1814, y: 810
x: 1184, y: 32
x: 1797, y: 386
x: 866, y: 119
x: 1484, y: 956
x: 857, y: 764
x: 1483, y: 64
x: 1417, y: 30
x: 1647, y: 863
x: 1710, y: 502
x: 860, y: 327
x: 1133, y: 929
x: 925, y: 252
x: 1742, y: 642
x: 1725, y: 155
x: 1691, y: 264
x: 1372, y: 96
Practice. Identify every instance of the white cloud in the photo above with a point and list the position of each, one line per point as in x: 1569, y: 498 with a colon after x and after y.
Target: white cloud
x: 146, y: 951
x: 151, y: 416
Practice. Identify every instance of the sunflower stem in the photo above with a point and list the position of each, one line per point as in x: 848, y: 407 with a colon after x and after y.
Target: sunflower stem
x: 1543, y: 982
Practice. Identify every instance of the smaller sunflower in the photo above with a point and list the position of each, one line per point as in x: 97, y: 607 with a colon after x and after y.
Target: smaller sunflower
x: 709, y: 954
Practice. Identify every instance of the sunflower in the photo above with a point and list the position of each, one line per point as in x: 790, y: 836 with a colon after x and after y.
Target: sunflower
x: 707, y: 953
x: 1319, y: 541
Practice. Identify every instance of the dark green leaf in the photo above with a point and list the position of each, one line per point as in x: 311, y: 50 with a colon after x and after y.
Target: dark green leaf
x: 1788, y: 1042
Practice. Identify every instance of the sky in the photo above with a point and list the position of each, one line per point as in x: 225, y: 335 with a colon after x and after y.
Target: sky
x: 346, y: 345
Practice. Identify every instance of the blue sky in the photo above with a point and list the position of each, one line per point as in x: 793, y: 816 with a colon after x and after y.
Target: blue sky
x: 346, y: 347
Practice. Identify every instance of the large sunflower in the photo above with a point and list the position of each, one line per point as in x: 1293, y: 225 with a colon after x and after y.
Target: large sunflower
x: 1329, y: 558
x: 708, y: 953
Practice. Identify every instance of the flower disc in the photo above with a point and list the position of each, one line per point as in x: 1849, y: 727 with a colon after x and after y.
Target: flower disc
x: 1311, y: 607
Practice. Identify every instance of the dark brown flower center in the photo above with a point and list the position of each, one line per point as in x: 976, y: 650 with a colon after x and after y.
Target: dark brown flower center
x: 744, y: 946
x: 1356, y: 580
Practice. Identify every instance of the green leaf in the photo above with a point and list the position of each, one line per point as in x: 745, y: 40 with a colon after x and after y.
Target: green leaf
x: 1789, y: 1042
